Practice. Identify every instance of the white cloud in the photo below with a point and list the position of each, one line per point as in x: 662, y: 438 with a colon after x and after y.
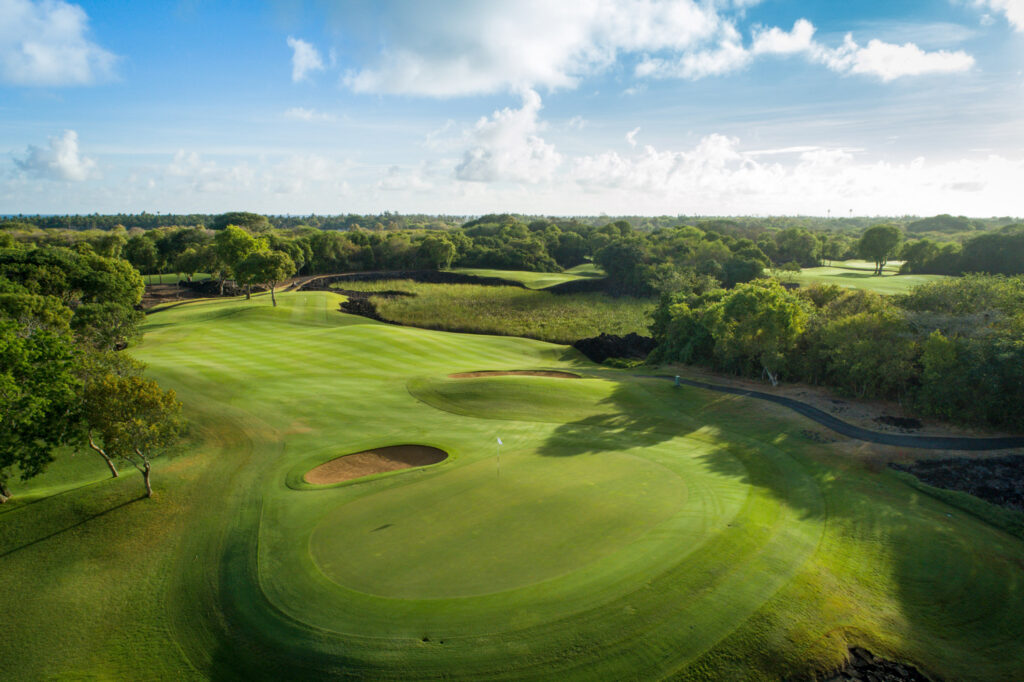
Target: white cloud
x: 776, y: 41
x: 398, y: 179
x: 507, y: 147
x: 1013, y: 10
x: 444, y: 48
x: 888, y: 61
x: 45, y: 44
x: 311, y: 115
x: 60, y: 160
x: 576, y: 123
x: 631, y: 136
x: 717, y: 177
x: 305, y: 58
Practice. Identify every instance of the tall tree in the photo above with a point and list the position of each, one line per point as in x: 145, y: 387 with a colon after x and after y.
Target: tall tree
x: 878, y: 244
x: 232, y: 245
x: 129, y: 418
x: 265, y: 267
x: 38, y: 384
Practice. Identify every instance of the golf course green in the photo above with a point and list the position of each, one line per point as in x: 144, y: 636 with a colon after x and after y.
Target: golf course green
x: 604, y: 527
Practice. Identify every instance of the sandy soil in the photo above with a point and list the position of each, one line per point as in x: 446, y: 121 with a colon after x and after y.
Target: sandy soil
x: 516, y: 373
x: 375, y: 461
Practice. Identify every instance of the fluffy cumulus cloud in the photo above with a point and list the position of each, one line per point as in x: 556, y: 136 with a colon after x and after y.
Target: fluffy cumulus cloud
x: 507, y: 147
x: 305, y: 59
x: 886, y: 61
x: 59, y: 160
x: 1013, y: 10
x: 46, y: 43
x: 446, y: 48
x: 449, y: 48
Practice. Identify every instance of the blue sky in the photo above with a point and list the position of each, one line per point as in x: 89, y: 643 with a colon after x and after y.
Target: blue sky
x: 743, y: 107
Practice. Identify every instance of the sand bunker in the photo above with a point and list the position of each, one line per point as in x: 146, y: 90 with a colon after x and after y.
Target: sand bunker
x: 359, y: 464
x: 515, y: 373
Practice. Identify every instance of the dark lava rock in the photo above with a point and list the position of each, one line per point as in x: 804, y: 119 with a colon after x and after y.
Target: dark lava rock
x: 865, y: 666
x: 899, y: 422
x: 211, y: 287
x: 360, y: 303
x: 998, y: 480
x: 600, y: 348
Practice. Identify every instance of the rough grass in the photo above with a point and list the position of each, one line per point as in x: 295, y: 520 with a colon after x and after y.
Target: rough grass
x: 538, y: 280
x: 858, y: 274
x: 509, y: 311
x: 637, y: 531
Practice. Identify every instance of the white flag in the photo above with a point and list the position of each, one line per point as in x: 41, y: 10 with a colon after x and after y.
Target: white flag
x: 499, y: 442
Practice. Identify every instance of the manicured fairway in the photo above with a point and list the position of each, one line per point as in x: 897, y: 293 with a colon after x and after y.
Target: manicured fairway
x: 633, y: 530
x: 538, y: 280
x: 857, y: 274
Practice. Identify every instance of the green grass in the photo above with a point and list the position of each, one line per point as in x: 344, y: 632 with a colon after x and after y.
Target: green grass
x: 858, y: 274
x: 511, y: 311
x: 174, y: 278
x: 636, y: 531
x: 538, y: 280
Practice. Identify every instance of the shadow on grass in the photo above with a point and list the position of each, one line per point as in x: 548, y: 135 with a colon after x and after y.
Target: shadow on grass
x: 958, y: 587
x: 55, y: 515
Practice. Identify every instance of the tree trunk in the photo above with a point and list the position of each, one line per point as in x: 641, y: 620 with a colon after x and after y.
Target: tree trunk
x: 145, y: 469
x: 248, y: 291
x: 221, y: 286
x: 5, y: 493
x: 273, y: 299
x: 110, y: 462
x: 771, y: 377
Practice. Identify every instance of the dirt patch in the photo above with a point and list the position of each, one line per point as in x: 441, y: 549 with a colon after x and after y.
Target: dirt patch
x: 863, y: 665
x: 378, y: 460
x: 904, y: 424
x: 515, y: 373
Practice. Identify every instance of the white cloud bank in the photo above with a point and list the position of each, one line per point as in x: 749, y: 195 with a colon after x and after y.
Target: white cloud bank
x: 446, y: 48
x: 60, y: 160
x: 305, y: 59
x: 886, y: 61
x: 46, y: 44
x: 310, y: 115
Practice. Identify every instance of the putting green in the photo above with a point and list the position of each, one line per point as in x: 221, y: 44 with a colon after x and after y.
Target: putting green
x: 492, y: 531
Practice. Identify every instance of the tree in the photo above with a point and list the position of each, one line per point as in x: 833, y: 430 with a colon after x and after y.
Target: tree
x: 878, y: 244
x: 265, y: 267
x: 129, y: 418
x: 759, y: 321
x: 142, y: 254
x: 232, y: 245
x: 38, y: 384
x: 437, y: 252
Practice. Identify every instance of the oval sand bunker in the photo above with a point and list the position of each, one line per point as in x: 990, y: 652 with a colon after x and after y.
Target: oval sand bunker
x: 515, y: 373
x: 378, y: 460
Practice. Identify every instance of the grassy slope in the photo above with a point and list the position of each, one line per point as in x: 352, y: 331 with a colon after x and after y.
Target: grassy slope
x: 857, y: 274
x: 511, y: 311
x: 736, y: 547
x: 538, y: 280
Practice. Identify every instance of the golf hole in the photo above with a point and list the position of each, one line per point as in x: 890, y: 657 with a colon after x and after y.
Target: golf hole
x: 376, y: 461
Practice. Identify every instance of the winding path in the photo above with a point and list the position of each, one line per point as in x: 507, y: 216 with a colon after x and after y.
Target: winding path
x: 851, y: 431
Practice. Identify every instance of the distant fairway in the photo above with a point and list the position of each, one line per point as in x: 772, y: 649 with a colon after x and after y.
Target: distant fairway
x: 858, y: 274
x: 636, y: 530
x: 538, y: 280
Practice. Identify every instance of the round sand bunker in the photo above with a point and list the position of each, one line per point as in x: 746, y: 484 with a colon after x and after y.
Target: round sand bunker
x: 515, y: 373
x: 378, y: 460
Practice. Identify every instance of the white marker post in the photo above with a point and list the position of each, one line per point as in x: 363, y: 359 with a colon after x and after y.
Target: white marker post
x: 498, y: 447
